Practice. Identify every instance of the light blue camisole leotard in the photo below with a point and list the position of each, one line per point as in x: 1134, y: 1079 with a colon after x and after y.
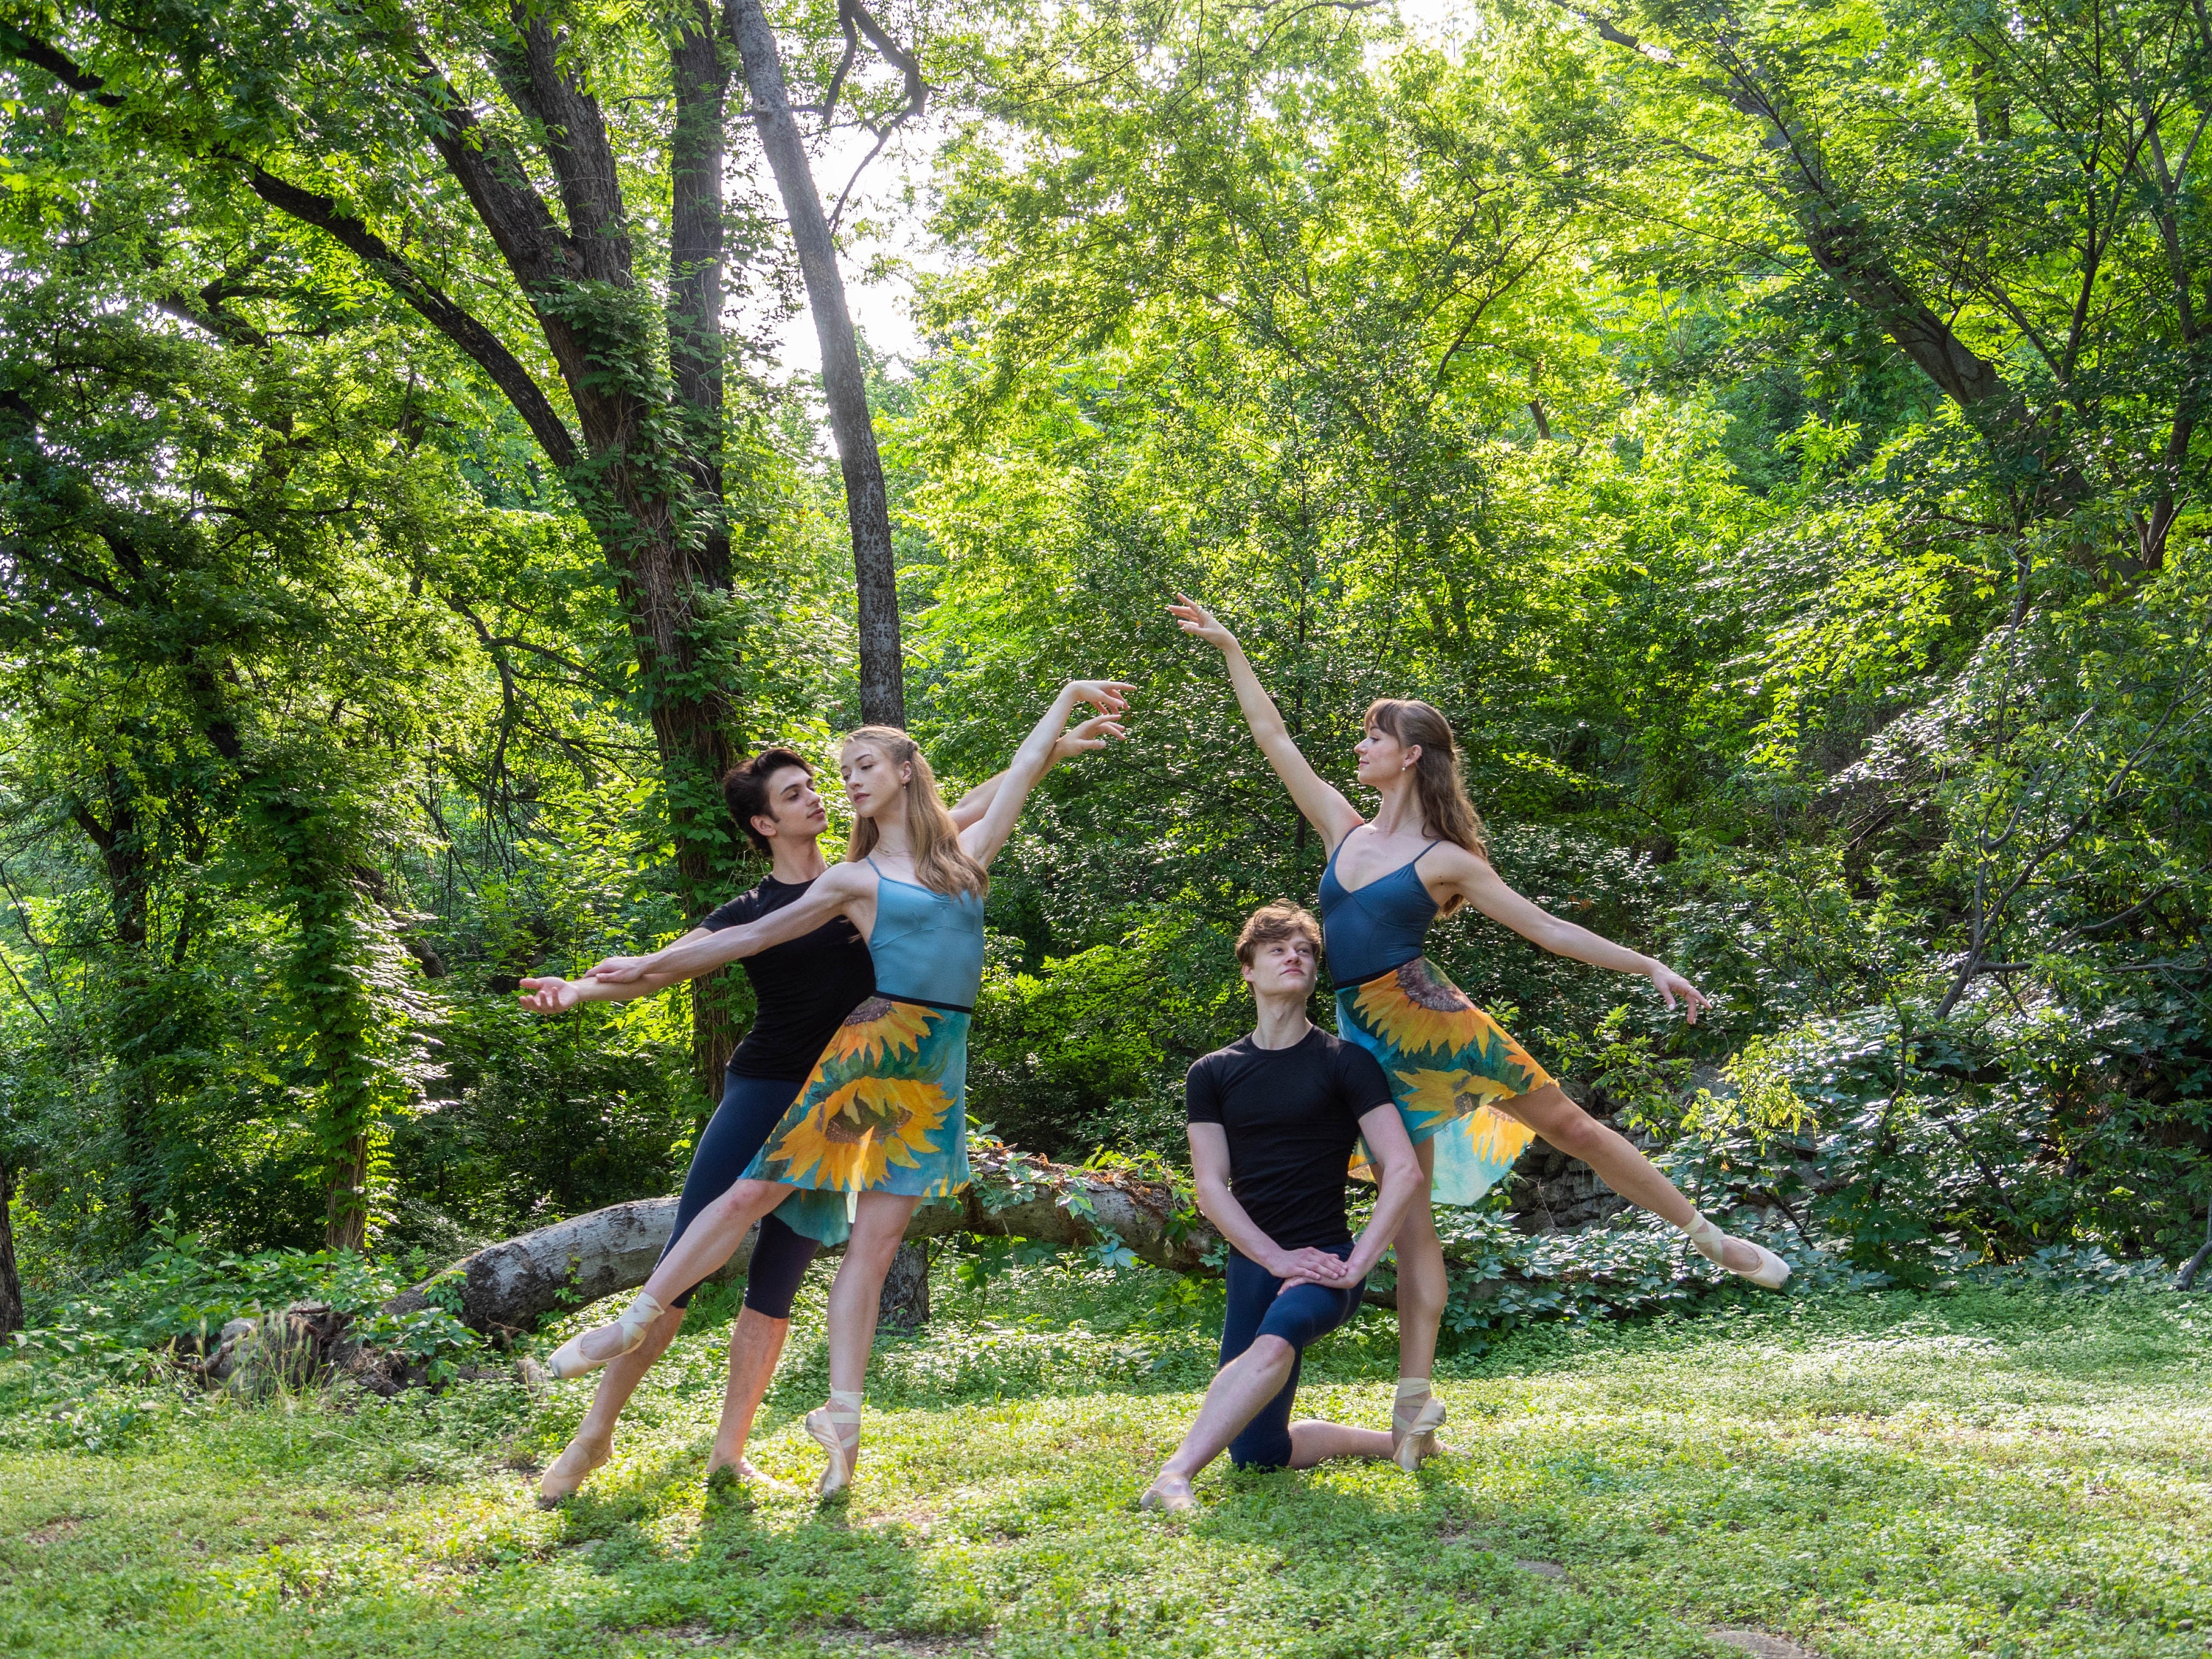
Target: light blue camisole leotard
x: 927, y: 946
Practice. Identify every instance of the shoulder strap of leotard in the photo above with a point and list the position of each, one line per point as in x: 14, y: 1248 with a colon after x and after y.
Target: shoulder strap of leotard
x: 1424, y: 853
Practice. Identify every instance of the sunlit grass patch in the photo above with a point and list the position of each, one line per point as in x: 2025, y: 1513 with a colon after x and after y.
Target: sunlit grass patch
x: 1990, y: 1472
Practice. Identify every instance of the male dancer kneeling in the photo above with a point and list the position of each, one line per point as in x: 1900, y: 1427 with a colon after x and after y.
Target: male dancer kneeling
x: 1273, y: 1121
x: 803, y: 990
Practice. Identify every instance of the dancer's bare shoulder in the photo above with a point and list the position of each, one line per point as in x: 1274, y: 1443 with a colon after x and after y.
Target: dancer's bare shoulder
x: 1456, y: 875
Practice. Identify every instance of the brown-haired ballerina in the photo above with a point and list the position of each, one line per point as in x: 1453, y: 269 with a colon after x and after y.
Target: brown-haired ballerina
x: 1471, y: 1097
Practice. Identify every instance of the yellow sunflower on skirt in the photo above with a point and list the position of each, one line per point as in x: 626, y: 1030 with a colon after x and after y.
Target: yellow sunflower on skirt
x: 1416, y: 1008
x: 1441, y: 1096
x: 852, y: 1137
x: 877, y: 1028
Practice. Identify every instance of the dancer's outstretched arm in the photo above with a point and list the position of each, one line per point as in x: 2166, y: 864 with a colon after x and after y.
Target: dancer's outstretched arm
x: 981, y: 841
x: 1470, y: 877
x: 1093, y: 733
x: 549, y: 993
x: 1324, y: 807
x: 847, y: 889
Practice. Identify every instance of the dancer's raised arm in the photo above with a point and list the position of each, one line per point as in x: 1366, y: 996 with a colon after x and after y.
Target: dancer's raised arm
x: 1324, y: 807
x: 981, y: 841
x: 1093, y: 733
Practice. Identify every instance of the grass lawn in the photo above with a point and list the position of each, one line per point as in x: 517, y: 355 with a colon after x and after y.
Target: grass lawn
x: 1988, y: 1471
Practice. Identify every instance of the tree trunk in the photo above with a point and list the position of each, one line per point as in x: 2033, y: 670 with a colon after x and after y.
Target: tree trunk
x: 844, y: 387
x: 134, y: 1008
x: 11, y: 1288
x: 513, y: 1285
x: 905, y: 1299
x: 695, y: 362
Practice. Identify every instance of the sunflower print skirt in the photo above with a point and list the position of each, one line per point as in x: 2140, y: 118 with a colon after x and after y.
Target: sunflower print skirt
x: 1448, y: 1062
x: 885, y: 1111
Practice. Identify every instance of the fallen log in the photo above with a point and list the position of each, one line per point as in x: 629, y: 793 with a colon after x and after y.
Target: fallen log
x: 505, y: 1289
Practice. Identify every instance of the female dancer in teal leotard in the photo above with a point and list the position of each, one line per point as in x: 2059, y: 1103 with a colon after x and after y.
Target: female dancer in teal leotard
x: 1471, y: 1097
x: 882, y: 1123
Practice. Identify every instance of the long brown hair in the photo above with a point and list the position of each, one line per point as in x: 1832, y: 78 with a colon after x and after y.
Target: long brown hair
x: 1446, y: 812
x: 939, y: 862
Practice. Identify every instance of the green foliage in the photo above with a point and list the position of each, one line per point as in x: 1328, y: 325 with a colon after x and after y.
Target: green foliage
x: 1773, y: 441
x: 177, y: 1300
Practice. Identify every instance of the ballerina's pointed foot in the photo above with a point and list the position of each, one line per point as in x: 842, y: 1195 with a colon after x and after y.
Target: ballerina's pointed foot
x: 836, y: 1428
x: 1170, y: 1495
x: 602, y: 1343
x: 1415, y: 1417
x: 1753, y: 1261
x: 570, y: 1470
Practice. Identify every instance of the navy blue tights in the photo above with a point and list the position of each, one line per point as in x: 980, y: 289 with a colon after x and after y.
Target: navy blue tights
x: 1301, y: 1316
x: 751, y: 1107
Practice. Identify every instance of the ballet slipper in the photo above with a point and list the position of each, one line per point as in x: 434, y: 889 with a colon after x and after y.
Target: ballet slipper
x: 602, y: 1343
x: 1771, y: 1272
x: 570, y: 1470
x: 1171, y: 1494
x: 836, y: 1428
x: 1415, y: 1416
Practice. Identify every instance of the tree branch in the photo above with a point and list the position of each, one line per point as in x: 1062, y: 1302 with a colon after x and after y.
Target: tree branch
x: 483, y: 347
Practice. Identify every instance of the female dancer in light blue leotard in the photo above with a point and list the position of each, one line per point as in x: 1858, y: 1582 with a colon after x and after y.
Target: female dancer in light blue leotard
x: 1471, y: 1097
x: 882, y: 1123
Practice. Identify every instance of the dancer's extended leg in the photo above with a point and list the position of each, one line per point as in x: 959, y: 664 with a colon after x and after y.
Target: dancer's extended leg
x: 593, y: 1441
x: 879, y: 1222
x: 713, y: 1236
x: 1549, y: 1112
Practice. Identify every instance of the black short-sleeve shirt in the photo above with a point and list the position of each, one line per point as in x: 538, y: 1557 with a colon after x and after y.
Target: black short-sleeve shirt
x: 1291, y: 1118
x: 802, y: 987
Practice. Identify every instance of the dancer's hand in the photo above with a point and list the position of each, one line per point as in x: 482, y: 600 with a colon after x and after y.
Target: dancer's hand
x: 1093, y: 733
x: 1197, y: 621
x: 1307, y: 1266
x: 619, y: 971
x: 1671, y: 984
x: 550, y: 995
x: 1107, y: 696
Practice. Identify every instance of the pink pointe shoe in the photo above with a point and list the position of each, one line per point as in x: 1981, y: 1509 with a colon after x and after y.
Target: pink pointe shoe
x: 602, y: 1343
x: 1771, y: 1272
x: 836, y: 1428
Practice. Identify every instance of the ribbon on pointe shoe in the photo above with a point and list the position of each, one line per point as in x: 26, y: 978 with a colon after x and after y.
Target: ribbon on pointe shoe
x: 836, y: 1428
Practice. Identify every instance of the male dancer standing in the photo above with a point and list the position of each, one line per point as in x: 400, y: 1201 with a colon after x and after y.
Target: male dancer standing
x: 1273, y: 1121
x: 803, y: 989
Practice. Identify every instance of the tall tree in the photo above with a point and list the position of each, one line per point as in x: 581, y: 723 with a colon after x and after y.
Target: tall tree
x: 434, y: 194
x: 844, y: 385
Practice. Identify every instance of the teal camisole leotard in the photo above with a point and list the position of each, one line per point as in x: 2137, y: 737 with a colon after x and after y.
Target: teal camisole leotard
x: 1450, y: 1064
x: 927, y: 945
